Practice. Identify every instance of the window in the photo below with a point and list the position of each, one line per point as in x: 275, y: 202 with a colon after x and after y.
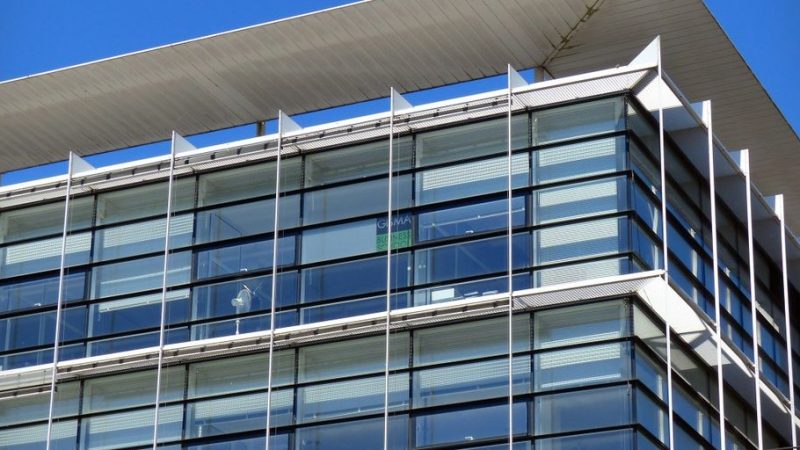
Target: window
x: 143, y: 201
x: 582, y: 366
x: 353, y: 278
x: 578, y: 200
x: 352, y: 200
x: 142, y: 237
x: 350, y: 398
x: 576, y: 324
x: 44, y: 220
x: 580, y: 240
x: 466, y: 141
x: 578, y: 160
x: 573, y: 411
x: 139, y: 275
x: 578, y: 120
x: 470, y: 179
x: 353, y: 357
x: 244, y: 258
x: 483, y: 257
x: 247, y: 182
x: 468, y: 425
x: 470, y: 219
x: 457, y: 342
x: 332, y: 166
x: 247, y: 219
x: 40, y: 292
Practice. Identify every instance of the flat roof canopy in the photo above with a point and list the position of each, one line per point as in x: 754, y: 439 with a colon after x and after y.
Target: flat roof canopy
x: 355, y: 52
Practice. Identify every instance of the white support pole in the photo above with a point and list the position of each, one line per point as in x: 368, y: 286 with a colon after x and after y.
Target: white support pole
x: 396, y: 103
x: 75, y: 164
x: 654, y: 51
x: 743, y: 159
x: 178, y: 143
x: 285, y: 125
x: 515, y: 80
x: 779, y: 210
x: 715, y: 264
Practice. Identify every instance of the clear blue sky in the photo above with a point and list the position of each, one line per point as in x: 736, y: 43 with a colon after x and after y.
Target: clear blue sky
x: 41, y: 35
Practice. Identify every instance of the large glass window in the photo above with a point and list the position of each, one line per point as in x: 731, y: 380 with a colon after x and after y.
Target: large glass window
x: 352, y: 278
x: 578, y: 160
x: 353, y: 357
x: 142, y: 237
x: 250, y: 294
x: 362, y: 434
x: 247, y: 182
x: 131, y: 389
x: 573, y: 411
x: 352, y: 163
x: 38, y: 256
x: 44, y: 220
x: 354, y: 200
x: 469, y: 424
x: 470, y: 179
x: 581, y: 240
x: 139, y: 275
x: 40, y: 292
x: 350, y: 398
x: 340, y: 241
x: 574, y: 201
x: 470, y: 258
x: 470, y: 219
x: 239, y: 374
x: 39, y: 329
x: 477, y: 139
x: 557, y: 369
x: 243, y: 257
x: 457, y: 342
x: 576, y: 324
x: 236, y: 414
x: 143, y: 201
x: 246, y: 219
x: 137, y: 313
x: 578, y: 120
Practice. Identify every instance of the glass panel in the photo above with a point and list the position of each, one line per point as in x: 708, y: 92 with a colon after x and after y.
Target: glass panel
x: 584, y: 119
x: 456, y: 342
x: 242, y: 296
x: 581, y: 410
x: 238, y: 374
x: 340, y: 241
x: 139, y: 275
x: 137, y: 313
x: 127, y: 429
x: 581, y: 240
x: 469, y: 424
x: 576, y: 324
x: 352, y: 163
x: 279, y: 442
x: 39, y: 329
x: 350, y: 398
x: 237, y: 414
x: 578, y: 160
x: 63, y: 436
x: 33, y: 407
x: 471, y: 381
x: 243, y: 257
x: 144, y: 201
x: 617, y: 440
x: 354, y: 200
x: 362, y: 434
x: 578, y: 200
x: 469, y: 219
x: 41, y: 292
x: 360, y: 356
x: 44, y: 220
x: 470, y: 179
x: 131, y: 389
x: 247, y: 182
x: 467, y: 141
x: 352, y: 278
x: 246, y: 219
x: 142, y: 237
x: 467, y: 259
x: 582, y: 366
x: 38, y: 256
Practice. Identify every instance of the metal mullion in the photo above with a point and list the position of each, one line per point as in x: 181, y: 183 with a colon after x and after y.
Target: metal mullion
x: 59, y: 302
x: 788, y: 326
x: 162, y: 326
x: 715, y: 267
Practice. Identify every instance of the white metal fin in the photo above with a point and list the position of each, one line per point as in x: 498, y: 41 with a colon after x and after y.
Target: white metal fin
x: 515, y: 80
x: 650, y: 56
x: 742, y: 159
x: 398, y: 102
x: 286, y: 124
x: 79, y: 165
x: 776, y: 203
x: 180, y: 145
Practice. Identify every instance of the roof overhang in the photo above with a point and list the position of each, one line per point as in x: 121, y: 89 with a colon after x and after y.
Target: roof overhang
x: 353, y: 53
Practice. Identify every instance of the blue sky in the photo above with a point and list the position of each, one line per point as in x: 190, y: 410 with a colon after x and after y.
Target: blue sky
x: 41, y: 35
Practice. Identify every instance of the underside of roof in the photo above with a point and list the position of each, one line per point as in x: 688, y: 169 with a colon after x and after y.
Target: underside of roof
x: 354, y: 53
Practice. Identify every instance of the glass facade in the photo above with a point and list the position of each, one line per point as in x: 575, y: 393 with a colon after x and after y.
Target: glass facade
x: 585, y: 203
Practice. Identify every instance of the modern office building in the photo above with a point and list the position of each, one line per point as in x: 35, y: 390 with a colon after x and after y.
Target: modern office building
x: 580, y: 262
